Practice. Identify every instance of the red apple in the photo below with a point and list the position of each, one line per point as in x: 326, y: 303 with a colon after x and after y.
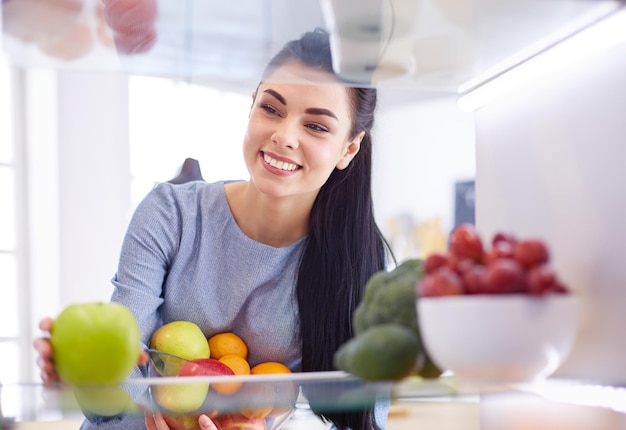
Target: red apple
x: 238, y: 422
x: 209, y: 367
x: 205, y: 367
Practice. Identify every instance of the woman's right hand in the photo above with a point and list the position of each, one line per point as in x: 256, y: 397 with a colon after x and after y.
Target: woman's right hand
x: 45, y: 361
x: 157, y: 422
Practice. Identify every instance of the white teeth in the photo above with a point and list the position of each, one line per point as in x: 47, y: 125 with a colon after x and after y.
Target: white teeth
x: 282, y: 165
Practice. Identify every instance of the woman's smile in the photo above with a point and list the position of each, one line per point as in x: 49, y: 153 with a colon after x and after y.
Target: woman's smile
x: 279, y: 165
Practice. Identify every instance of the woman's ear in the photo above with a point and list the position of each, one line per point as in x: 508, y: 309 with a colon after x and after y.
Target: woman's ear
x: 351, y: 150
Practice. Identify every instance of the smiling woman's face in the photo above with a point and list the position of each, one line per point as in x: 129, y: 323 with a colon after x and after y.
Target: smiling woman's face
x: 298, y: 133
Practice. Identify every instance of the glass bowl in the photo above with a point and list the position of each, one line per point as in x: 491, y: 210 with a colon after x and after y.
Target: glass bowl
x: 253, y: 402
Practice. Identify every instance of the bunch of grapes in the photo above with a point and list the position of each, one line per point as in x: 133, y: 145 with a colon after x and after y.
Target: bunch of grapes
x: 509, y: 266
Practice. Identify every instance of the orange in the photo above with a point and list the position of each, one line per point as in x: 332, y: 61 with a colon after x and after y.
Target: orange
x: 239, y: 366
x: 264, y: 368
x: 261, y: 401
x: 227, y: 343
x: 269, y: 367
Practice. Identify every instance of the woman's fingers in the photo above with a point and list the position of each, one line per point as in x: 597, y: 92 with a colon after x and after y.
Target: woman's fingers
x: 150, y: 424
x: 144, y: 358
x: 46, y: 324
x: 43, y: 346
x: 155, y: 421
x: 44, y: 361
x: 206, y: 423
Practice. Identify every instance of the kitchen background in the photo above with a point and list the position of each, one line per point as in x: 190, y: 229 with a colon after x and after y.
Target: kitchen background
x: 544, y: 142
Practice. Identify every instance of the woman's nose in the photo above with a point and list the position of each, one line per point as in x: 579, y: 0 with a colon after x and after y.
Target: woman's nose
x: 286, y: 134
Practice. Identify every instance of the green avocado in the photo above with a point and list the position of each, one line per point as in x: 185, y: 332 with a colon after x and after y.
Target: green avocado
x: 389, y: 297
x: 384, y: 352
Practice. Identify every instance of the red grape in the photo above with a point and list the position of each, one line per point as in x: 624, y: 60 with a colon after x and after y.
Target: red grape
x: 503, y: 237
x: 465, y: 242
x: 474, y: 280
x: 443, y: 282
x: 504, y: 276
x: 434, y: 262
x: 500, y: 249
x: 531, y: 252
x: 459, y: 264
x: 540, y: 279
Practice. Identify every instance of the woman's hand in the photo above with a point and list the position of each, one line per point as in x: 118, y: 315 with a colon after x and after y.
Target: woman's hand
x: 45, y: 361
x: 156, y: 422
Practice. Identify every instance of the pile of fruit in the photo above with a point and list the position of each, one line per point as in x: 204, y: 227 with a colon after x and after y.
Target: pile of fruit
x: 508, y: 265
x: 221, y: 354
x: 387, y: 343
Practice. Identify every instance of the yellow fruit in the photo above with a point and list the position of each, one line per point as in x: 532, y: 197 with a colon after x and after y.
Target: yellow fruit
x: 269, y: 367
x: 227, y: 343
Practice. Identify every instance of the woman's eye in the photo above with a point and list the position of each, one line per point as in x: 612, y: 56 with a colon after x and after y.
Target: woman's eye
x: 269, y: 109
x: 317, y: 127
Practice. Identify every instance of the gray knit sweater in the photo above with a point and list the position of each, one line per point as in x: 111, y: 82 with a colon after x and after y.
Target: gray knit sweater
x: 185, y: 258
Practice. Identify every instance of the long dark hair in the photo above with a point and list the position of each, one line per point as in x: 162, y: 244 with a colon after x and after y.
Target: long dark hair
x: 344, y: 246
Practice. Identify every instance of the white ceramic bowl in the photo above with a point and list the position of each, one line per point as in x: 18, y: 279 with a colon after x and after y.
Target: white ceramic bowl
x: 499, y: 338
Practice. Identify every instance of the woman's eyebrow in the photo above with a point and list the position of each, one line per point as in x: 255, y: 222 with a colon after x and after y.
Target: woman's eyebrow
x: 276, y: 95
x: 312, y: 111
x: 321, y: 111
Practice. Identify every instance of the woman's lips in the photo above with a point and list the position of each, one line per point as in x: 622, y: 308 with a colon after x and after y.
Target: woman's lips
x: 279, y: 164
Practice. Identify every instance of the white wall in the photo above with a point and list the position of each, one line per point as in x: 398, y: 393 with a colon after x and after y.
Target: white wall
x: 550, y: 163
x: 420, y: 150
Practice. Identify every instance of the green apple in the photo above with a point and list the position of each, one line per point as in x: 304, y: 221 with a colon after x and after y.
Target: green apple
x: 180, y: 398
x: 104, y: 400
x: 95, y: 343
x: 181, y: 338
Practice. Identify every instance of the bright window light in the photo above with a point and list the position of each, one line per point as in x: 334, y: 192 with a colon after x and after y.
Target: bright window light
x: 6, y: 117
x: 170, y: 121
x: 602, y: 35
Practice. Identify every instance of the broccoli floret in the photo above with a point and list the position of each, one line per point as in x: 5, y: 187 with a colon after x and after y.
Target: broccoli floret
x: 389, y: 297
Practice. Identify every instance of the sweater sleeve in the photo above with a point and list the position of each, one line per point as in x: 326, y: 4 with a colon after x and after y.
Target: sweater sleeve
x: 148, y: 249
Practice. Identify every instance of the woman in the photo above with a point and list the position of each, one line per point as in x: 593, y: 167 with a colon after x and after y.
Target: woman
x: 281, y: 259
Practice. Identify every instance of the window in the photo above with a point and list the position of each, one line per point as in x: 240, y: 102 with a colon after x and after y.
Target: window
x: 173, y: 120
x: 10, y: 369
